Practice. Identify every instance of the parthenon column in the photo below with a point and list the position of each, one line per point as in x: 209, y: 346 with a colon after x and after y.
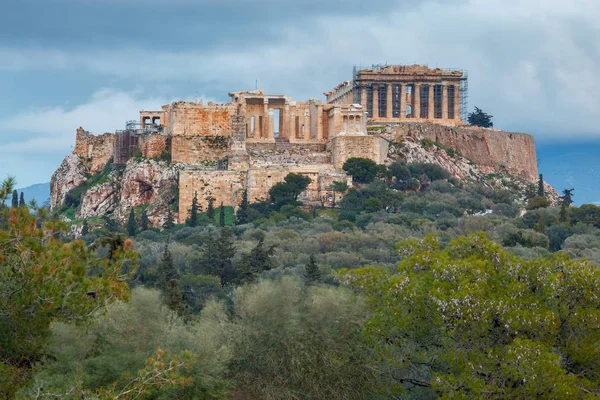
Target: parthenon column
x: 375, y: 101
x: 319, y: 135
x: 402, y: 101
x: 363, y: 97
x: 456, y: 102
x: 266, y: 124
x: 431, y: 109
x: 390, y: 102
x: 417, y: 101
x: 444, y: 101
x: 306, y: 134
x: 285, y: 124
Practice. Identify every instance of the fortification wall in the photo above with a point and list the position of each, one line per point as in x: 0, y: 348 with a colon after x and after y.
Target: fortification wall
x: 494, y: 151
x: 347, y: 146
x: 198, y: 119
x: 153, y: 145
x: 196, y: 150
x: 95, y: 150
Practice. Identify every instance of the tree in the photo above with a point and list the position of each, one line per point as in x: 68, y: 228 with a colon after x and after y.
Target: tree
x: 217, y: 257
x: 563, y: 215
x: 480, y: 118
x: 442, y: 329
x: 131, y: 223
x: 222, y: 215
x: 241, y: 214
x: 45, y: 280
x: 170, y: 221
x: 363, y: 170
x: 256, y: 261
x: 540, y: 190
x: 210, y: 209
x: 312, y: 274
x: 338, y: 187
x: 567, y: 197
x: 287, y: 192
x: 22, y: 200
x: 193, y: 212
x: 15, y: 199
x: 144, y: 221
x: 166, y: 270
x: 85, y: 229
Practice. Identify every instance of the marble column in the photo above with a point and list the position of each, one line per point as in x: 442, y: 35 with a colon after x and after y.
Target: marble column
x: 417, y: 100
x: 375, y: 101
x: 431, y: 109
x: 390, y: 101
x: 444, y: 102
x: 402, y: 101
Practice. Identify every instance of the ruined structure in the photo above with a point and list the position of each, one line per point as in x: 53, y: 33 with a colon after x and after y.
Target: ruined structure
x: 393, y: 93
x: 256, y: 139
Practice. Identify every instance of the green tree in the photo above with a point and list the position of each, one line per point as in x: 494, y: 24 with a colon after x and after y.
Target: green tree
x: 144, y: 221
x: 170, y: 221
x: 15, y: 199
x: 540, y: 189
x: 259, y: 259
x: 217, y: 257
x: 472, y: 321
x: 241, y: 214
x: 567, y: 197
x: 563, y: 215
x: 166, y: 269
x: 338, y: 187
x: 193, y: 212
x: 45, y: 280
x: 131, y: 223
x: 210, y: 209
x: 312, y: 274
x: 363, y: 170
x: 287, y: 192
x: 480, y: 118
x: 22, y: 200
x: 222, y: 215
x: 85, y: 229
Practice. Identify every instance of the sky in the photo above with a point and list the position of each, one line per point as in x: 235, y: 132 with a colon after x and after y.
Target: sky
x: 95, y: 63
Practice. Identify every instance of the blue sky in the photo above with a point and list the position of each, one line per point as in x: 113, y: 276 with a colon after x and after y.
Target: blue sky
x: 95, y: 63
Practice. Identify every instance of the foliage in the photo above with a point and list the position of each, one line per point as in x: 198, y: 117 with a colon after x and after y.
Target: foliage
x: 22, y: 200
x: 471, y: 320
x: 194, y: 211
x: 210, y: 209
x: 540, y: 190
x: 222, y: 215
x: 363, y: 170
x: 46, y: 280
x: 567, y: 197
x: 131, y: 223
x: 480, y: 118
x: 312, y: 274
x: 287, y: 192
x: 170, y: 220
x: 537, y: 202
x: 259, y: 259
x: 241, y: 215
x: 15, y: 199
x: 144, y: 221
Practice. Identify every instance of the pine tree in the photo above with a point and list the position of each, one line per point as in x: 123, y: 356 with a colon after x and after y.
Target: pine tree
x: 193, y: 219
x: 563, y: 216
x: 85, y: 229
x: 22, y: 200
x: 222, y: 215
x: 255, y: 262
x: 312, y: 274
x: 131, y: 223
x: 144, y: 221
x: 170, y: 221
x: 15, y: 199
x: 210, y: 210
x: 567, y: 197
x: 540, y: 191
x: 166, y: 269
x: 241, y: 215
x: 173, y: 298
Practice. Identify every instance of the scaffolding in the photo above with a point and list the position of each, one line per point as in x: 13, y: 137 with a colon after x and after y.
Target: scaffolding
x: 126, y: 143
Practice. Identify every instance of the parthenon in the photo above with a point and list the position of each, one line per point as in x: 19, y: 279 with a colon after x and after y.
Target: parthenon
x: 395, y: 93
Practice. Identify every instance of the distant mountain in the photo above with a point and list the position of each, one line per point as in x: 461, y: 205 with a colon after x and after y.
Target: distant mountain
x: 40, y: 192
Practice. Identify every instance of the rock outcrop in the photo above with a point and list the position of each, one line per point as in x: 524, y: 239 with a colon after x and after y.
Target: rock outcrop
x: 69, y: 175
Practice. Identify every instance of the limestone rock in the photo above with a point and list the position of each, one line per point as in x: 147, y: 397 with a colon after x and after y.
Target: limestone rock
x: 70, y: 174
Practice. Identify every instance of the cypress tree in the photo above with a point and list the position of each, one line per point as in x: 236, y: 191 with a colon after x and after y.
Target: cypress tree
x: 563, y: 216
x: 255, y: 262
x: 210, y: 210
x: 170, y: 221
x: 85, y: 229
x: 15, y: 199
x: 166, y: 269
x: 225, y: 253
x: 193, y: 219
x: 131, y: 223
x: 173, y: 298
x: 241, y: 215
x: 144, y: 222
x: 222, y: 216
x: 540, y: 191
x: 22, y: 200
x: 312, y: 274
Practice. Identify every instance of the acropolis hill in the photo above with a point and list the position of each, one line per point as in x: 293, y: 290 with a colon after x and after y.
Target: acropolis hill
x: 256, y: 139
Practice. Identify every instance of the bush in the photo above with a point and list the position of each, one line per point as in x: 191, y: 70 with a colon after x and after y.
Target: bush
x: 363, y: 170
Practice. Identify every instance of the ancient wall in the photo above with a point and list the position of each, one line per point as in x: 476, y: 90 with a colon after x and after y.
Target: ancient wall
x: 494, y: 151
x: 197, y: 150
x: 198, y: 119
x: 153, y: 145
x: 344, y: 147
x: 94, y: 150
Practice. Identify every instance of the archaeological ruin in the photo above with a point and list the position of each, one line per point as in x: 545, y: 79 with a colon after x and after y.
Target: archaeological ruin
x: 256, y: 139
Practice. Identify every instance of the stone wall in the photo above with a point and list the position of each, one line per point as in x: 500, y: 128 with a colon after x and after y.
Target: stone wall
x: 153, y: 145
x: 198, y: 119
x: 195, y: 150
x: 347, y: 146
x: 95, y: 150
x: 494, y: 151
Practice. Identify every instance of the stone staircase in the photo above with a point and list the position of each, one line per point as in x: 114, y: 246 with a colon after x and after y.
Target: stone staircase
x: 282, y: 144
